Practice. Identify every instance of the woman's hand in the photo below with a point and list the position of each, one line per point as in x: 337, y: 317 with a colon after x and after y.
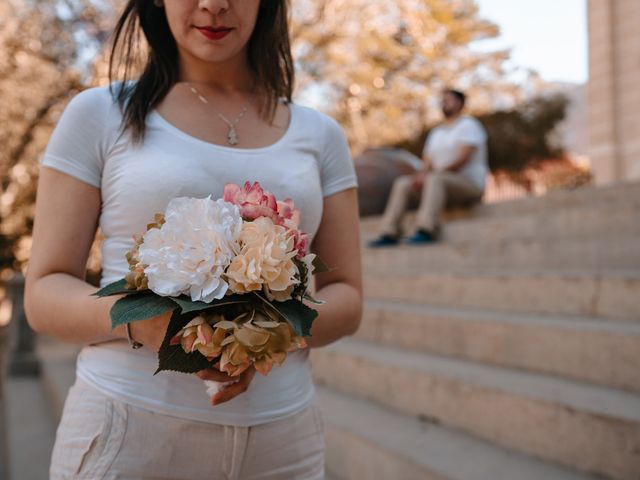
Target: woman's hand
x: 240, y: 385
x: 151, y: 332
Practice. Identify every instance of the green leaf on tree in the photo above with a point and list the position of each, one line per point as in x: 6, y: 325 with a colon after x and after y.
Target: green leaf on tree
x: 139, y: 307
x: 173, y: 357
x: 117, y: 288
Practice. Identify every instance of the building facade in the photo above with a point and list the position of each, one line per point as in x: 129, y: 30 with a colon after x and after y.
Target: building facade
x: 614, y: 89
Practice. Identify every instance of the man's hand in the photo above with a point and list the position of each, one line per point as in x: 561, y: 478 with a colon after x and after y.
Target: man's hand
x: 419, y: 179
x: 465, y: 153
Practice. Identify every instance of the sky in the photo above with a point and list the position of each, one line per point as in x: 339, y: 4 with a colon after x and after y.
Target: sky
x: 549, y: 36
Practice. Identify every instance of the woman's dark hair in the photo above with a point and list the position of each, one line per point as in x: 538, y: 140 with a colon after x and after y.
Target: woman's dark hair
x: 269, y: 53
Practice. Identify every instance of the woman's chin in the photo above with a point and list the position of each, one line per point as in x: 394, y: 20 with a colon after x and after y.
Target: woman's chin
x: 213, y: 53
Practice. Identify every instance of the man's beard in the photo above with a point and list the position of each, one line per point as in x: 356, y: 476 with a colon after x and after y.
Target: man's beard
x: 448, y: 113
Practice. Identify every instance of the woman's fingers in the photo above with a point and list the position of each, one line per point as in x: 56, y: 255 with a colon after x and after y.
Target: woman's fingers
x: 235, y: 389
x: 215, y: 375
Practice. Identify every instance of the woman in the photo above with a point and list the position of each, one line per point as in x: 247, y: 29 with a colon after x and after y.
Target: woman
x: 212, y: 106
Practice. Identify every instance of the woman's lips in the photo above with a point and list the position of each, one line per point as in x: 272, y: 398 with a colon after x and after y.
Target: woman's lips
x: 217, y: 33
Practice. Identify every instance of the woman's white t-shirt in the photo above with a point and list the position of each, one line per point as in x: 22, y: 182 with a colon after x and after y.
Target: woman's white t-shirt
x: 309, y: 162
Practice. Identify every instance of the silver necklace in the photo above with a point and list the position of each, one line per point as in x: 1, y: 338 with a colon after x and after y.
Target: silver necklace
x: 232, y: 134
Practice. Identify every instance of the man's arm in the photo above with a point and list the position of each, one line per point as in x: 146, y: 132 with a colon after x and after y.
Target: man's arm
x: 465, y: 154
x: 420, y: 175
x: 427, y: 164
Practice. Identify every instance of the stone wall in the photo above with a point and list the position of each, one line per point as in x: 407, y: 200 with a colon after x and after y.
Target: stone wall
x: 613, y: 90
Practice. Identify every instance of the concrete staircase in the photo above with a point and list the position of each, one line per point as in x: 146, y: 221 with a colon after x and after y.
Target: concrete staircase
x: 509, y: 351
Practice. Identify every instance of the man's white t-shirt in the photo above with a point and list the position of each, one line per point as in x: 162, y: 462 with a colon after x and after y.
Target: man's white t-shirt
x: 445, y: 140
x: 309, y: 162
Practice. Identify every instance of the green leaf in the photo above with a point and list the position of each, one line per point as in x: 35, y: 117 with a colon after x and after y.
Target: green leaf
x: 307, y: 296
x: 187, y: 305
x: 139, y: 307
x: 173, y: 357
x: 117, y: 288
x: 298, y: 315
x: 295, y: 313
x: 319, y: 266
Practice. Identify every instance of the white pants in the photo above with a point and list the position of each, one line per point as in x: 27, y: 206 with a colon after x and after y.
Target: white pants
x: 440, y: 189
x: 102, y: 438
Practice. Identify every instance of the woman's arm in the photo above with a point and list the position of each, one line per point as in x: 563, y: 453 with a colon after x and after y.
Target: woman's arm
x: 58, y: 301
x: 337, y: 242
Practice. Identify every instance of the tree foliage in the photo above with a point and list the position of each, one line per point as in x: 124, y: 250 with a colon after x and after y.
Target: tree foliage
x: 380, y: 66
x: 45, y: 52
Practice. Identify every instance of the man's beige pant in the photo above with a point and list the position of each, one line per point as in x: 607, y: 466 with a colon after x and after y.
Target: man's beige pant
x: 439, y: 190
x: 102, y: 438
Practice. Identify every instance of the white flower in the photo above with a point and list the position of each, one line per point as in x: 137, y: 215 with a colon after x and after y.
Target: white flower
x: 189, y: 253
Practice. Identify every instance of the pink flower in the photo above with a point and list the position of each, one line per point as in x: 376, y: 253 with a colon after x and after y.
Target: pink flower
x: 253, y: 201
x: 300, y: 242
x: 199, y: 335
x: 288, y: 215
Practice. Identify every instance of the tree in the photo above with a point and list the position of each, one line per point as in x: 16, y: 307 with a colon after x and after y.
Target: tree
x: 46, y: 49
x: 379, y: 66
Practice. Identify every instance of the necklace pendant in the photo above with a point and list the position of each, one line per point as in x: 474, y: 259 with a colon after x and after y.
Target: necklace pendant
x: 232, y: 137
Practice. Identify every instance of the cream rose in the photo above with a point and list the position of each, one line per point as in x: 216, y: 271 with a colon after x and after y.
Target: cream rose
x: 190, y: 252
x: 265, y: 261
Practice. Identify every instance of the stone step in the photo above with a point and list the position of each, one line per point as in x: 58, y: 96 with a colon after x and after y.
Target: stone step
x: 598, y: 220
x: 605, y: 352
x: 584, y: 427
x: 610, y: 294
x: 472, y: 227
x: 616, y: 195
x: 599, y: 199
x: 366, y: 441
x: 596, y: 253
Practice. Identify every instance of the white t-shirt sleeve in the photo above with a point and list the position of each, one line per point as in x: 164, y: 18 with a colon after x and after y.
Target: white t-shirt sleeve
x: 337, y: 171
x: 428, y: 142
x: 80, y: 140
x: 471, y: 132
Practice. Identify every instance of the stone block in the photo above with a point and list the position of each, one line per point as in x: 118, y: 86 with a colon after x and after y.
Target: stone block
x: 365, y: 441
x: 606, y: 295
x: 583, y: 427
x: 598, y: 351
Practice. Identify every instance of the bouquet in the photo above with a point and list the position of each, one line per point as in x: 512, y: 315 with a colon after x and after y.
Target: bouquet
x: 234, y: 273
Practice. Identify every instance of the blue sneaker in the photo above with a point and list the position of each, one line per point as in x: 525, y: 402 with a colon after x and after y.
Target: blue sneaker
x: 421, y: 237
x: 384, y: 240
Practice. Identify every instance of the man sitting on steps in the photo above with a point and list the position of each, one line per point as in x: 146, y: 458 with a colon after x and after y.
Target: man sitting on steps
x: 455, y: 166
